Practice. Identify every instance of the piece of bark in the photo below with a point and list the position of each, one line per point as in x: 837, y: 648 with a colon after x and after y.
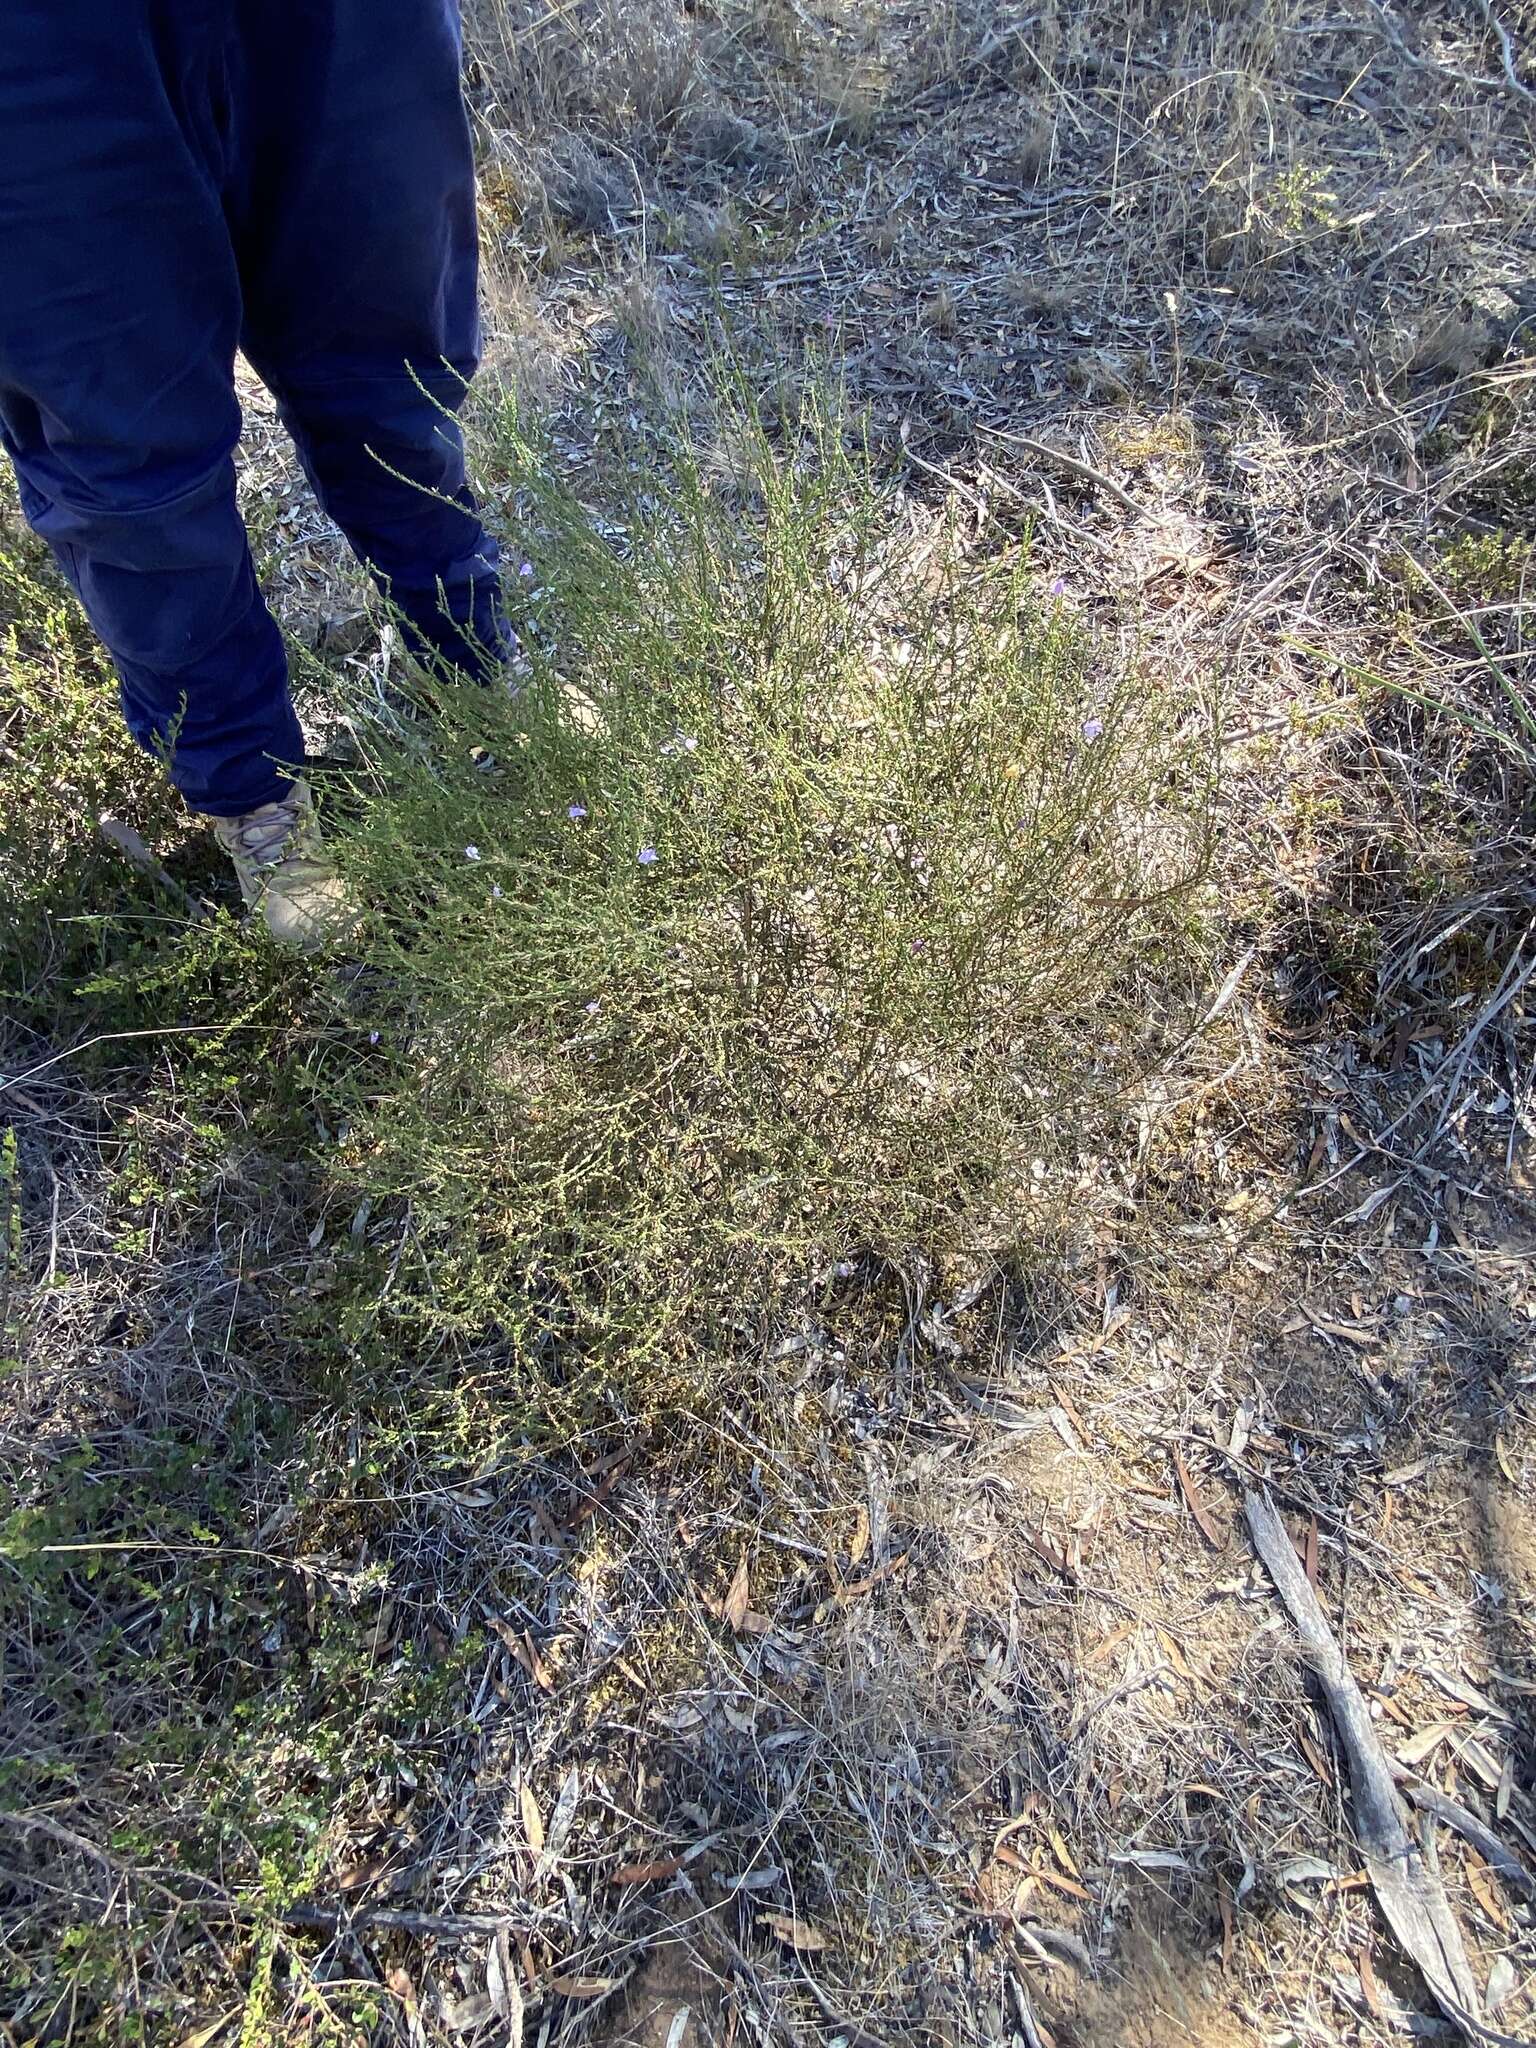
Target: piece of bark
x: 1412, y: 1901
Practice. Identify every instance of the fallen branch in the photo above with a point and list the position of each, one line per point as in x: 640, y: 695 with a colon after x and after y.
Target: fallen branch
x: 394, y: 1919
x: 213, y: 1904
x: 1511, y: 81
x: 1411, y: 1898
x: 1507, y: 52
x: 133, y: 848
x: 1469, y: 1827
x: 1072, y: 464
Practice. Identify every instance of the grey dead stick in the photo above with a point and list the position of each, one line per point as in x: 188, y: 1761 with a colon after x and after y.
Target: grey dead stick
x: 133, y: 848
x: 1469, y: 1827
x: 1412, y: 1901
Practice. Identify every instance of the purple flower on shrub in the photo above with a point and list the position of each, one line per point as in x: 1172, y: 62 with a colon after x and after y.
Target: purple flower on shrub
x: 1059, y: 587
x: 1092, y: 729
x: 575, y: 812
x: 646, y: 856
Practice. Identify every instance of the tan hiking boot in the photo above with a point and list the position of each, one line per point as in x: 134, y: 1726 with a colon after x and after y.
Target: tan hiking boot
x: 285, y: 874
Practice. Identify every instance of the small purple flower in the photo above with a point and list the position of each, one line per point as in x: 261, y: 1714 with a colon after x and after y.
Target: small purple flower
x: 495, y: 892
x: 1092, y: 729
x: 1059, y: 587
x: 471, y: 853
x: 646, y: 856
x: 373, y: 1038
x: 525, y: 570
x: 575, y: 812
x: 593, y: 1007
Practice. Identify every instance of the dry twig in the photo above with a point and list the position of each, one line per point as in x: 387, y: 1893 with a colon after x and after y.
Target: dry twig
x: 1412, y: 1901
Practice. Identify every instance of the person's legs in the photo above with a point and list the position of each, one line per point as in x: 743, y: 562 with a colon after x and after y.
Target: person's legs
x: 120, y: 311
x: 354, y: 220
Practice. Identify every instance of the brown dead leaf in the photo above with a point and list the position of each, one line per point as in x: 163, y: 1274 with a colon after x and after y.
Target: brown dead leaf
x: 1174, y: 1654
x: 1314, y: 1757
x: 525, y: 1651
x: 536, y: 1668
x: 1015, y: 1826
x: 1069, y: 1409
x: 734, y: 1611
x: 800, y: 1934
x: 876, y: 1578
x: 612, y: 1470
x: 1045, y: 1549
x: 205, y: 2035
x: 647, y: 1873
x: 1110, y: 1642
x: 860, y: 1587
x: 584, y: 1987
x: 533, y: 1820
x: 1485, y: 1893
x: 360, y: 1874
x: 1423, y: 1745
x: 1195, y: 1504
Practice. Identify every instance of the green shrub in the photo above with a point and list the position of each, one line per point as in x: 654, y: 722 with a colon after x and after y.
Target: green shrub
x: 867, y: 882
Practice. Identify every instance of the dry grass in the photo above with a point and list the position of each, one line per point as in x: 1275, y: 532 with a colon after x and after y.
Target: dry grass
x: 893, y: 1688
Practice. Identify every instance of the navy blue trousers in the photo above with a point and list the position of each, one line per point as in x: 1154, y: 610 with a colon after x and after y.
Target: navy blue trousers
x: 180, y: 179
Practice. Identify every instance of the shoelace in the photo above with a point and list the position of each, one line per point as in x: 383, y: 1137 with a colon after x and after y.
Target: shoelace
x: 265, y: 836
